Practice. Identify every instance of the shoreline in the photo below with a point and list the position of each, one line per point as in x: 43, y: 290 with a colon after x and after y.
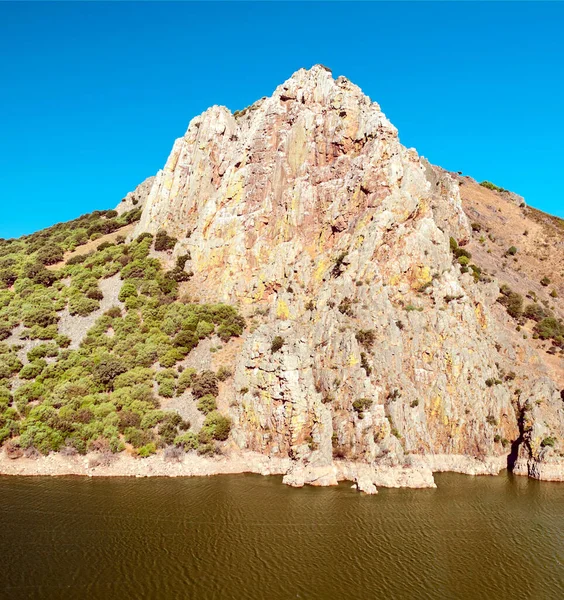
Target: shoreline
x: 367, y: 478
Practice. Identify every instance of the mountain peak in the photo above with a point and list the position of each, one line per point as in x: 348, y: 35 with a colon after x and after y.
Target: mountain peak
x: 305, y: 210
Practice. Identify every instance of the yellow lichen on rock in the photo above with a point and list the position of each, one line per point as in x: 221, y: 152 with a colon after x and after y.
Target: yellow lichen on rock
x: 421, y: 276
x: 320, y: 270
x: 282, y: 310
x: 481, y: 316
x: 297, y: 147
x: 353, y: 360
x: 235, y: 187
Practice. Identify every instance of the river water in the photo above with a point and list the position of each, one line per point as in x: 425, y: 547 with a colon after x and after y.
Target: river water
x: 247, y: 536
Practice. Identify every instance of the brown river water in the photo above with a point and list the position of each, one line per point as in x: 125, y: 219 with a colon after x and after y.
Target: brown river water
x: 246, y: 536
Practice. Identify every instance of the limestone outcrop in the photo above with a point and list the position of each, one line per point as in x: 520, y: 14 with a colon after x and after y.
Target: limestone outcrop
x: 137, y: 198
x: 369, y: 355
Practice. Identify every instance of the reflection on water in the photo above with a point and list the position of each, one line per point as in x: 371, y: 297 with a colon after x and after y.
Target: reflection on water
x: 248, y: 536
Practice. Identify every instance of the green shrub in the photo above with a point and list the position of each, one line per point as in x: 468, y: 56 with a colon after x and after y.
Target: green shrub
x: 490, y: 382
x: 457, y: 251
x: 167, y: 388
x: 133, y: 377
x: 50, y: 254
x: 204, y: 329
x: 206, y: 448
x: 33, y: 369
x: 185, y: 380
x: 5, y: 397
x: 128, y: 419
x: 345, y: 307
x: 179, y: 275
x: 107, y: 369
x: 361, y: 405
x: 147, y: 450
x: 166, y: 374
x: 94, y: 294
x: 366, y: 337
x: 512, y: 251
x: 217, y: 426
x: 231, y: 328
x: 128, y: 290
x: 365, y: 364
x: 41, y: 437
x: 204, y: 383
x: 137, y: 437
x: 27, y: 393
x: 545, y: 281
x: 535, y: 312
x: 491, y: 186
x: 224, y: 373
x: 550, y: 328
x: 10, y: 364
x: 144, y: 236
x: 171, y: 358
x: 42, y: 351
x: 42, y: 316
x: 340, y: 264
x: 181, y: 261
x: 207, y: 404
x: 8, y: 277
x: 164, y: 242
x: 78, y: 259
x: 186, y: 339
x: 152, y: 418
x: 167, y: 432
x: 188, y: 441
x: 82, y: 306
x: 104, y: 246
x: 114, y: 312
x: 512, y: 301
x: 277, y: 343
x: 37, y: 272
x: 548, y: 441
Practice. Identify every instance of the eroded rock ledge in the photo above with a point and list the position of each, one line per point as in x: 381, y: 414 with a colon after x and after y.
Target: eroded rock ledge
x: 366, y: 478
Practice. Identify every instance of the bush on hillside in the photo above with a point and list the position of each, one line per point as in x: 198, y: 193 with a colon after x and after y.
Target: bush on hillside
x: 204, y: 383
x: 512, y: 301
x: 277, y: 344
x: 164, y: 242
x: 217, y: 426
x: 50, y: 254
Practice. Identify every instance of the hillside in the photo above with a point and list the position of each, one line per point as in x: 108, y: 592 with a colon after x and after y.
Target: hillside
x: 295, y: 292
x: 501, y: 221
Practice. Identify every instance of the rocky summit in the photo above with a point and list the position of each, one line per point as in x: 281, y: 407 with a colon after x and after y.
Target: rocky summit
x: 394, y: 328
x: 371, y: 345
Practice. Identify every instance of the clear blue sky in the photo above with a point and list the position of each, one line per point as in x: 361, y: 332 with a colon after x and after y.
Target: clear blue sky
x: 94, y: 94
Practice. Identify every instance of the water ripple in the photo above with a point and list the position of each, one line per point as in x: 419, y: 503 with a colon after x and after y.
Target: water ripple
x: 239, y: 537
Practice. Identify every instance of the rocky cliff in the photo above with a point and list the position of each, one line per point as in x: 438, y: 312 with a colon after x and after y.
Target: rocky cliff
x: 372, y: 348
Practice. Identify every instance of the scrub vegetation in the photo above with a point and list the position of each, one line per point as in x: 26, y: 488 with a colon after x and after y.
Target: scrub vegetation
x: 106, y: 394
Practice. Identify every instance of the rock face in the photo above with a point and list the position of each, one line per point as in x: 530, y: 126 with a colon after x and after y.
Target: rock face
x: 306, y: 211
x: 137, y: 198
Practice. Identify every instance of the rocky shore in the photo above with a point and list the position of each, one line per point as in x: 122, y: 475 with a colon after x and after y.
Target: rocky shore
x: 367, y: 478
